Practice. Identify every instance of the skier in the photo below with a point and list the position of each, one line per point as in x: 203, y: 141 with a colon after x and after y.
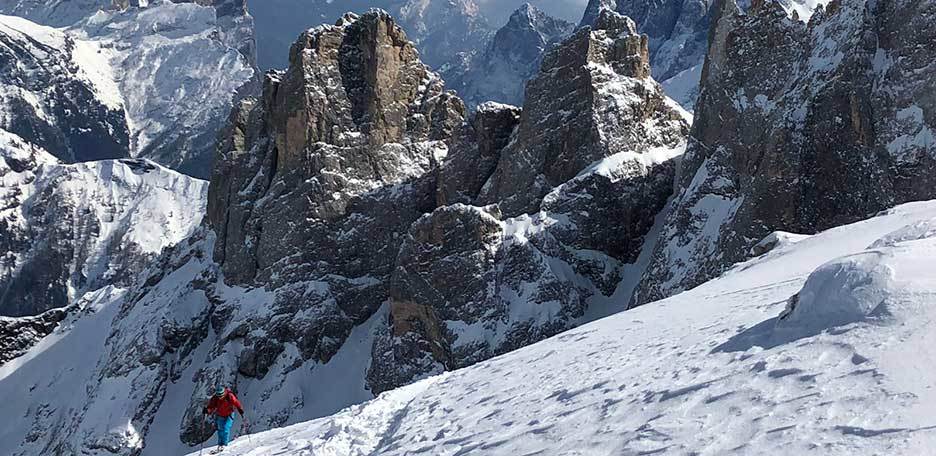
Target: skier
x: 222, y: 406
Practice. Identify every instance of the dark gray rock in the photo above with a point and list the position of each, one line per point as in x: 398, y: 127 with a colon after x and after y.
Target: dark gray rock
x: 474, y: 156
x: 17, y: 335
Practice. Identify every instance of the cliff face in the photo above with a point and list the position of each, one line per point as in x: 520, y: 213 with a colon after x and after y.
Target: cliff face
x: 800, y: 127
x: 319, y: 180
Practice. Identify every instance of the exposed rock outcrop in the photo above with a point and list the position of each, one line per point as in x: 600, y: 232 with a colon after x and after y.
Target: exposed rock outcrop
x: 17, y: 335
x: 677, y: 30
x: 799, y: 128
x: 593, y: 98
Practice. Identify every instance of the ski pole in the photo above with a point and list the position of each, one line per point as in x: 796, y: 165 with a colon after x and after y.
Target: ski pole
x: 201, y: 445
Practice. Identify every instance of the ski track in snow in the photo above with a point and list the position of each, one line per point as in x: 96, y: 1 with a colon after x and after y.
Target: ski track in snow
x: 704, y: 372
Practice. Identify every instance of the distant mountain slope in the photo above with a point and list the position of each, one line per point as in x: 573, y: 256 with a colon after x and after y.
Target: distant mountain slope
x: 500, y: 71
x: 822, y: 346
x: 168, y: 71
x: 70, y: 229
x: 437, y: 26
x: 57, y: 92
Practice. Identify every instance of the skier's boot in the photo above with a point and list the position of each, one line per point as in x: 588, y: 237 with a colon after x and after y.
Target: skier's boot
x: 218, y: 450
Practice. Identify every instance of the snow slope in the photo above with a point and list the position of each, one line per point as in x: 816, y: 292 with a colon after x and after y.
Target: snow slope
x: 709, y: 371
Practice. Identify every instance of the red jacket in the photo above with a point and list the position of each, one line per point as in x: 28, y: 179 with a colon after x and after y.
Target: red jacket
x: 224, y: 405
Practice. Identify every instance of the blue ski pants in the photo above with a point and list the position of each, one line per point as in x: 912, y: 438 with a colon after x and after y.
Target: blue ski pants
x: 224, y: 424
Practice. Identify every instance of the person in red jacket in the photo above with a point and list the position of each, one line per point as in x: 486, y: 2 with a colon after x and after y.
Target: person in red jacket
x: 222, y: 405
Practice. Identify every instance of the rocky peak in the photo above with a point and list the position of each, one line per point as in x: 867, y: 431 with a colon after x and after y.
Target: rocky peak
x: 527, y: 35
x: 317, y: 180
x: 500, y: 71
x: 677, y: 30
x: 530, y: 19
x: 592, y: 98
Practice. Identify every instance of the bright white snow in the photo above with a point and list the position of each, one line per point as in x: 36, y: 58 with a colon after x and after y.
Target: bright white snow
x: 709, y: 371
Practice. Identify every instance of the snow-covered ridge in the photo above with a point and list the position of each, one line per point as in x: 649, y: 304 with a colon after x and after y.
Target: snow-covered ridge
x: 73, y: 228
x: 710, y: 371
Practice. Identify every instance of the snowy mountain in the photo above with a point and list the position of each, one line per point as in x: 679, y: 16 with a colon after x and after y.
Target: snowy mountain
x: 70, y: 229
x: 831, y: 125
x: 313, y: 284
x: 366, y: 233
x: 56, y: 95
x: 499, y: 72
x: 820, y: 346
x: 165, y: 75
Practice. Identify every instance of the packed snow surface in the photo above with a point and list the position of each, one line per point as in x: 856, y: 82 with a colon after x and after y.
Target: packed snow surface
x: 710, y: 371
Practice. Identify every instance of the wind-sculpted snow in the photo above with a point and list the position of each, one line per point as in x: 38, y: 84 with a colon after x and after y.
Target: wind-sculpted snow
x: 705, y: 372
